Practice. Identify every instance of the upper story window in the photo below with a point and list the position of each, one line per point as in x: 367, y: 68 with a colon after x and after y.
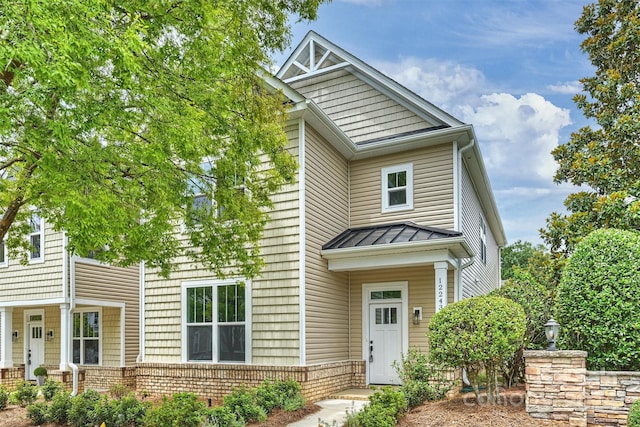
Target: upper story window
x: 36, y: 238
x: 397, y: 188
x: 483, y: 241
x: 215, y: 321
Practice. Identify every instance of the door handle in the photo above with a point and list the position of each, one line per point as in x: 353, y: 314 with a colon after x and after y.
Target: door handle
x: 29, y: 360
x: 370, y: 351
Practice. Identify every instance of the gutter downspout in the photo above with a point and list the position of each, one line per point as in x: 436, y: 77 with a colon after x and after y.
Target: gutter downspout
x: 459, y: 207
x: 72, y: 294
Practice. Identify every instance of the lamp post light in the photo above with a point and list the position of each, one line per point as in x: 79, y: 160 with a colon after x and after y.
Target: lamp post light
x: 551, y: 330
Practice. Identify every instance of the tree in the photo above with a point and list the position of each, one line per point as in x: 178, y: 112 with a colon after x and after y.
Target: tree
x: 598, y: 301
x: 477, y: 333
x: 517, y: 255
x: 603, y: 161
x: 107, y: 111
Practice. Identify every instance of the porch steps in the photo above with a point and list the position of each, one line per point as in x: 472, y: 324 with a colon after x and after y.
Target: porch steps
x: 353, y: 394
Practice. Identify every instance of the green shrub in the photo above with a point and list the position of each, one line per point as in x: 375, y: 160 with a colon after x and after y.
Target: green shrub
x: 598, y: 300
x: 242, y: 401
x: 182, y: 410
x: 51, y: 388
x: 40, y: 371
x: 421, y: 379
x: 477, y: 333
x: 127, y: 411
x: 118, y: 391
x: 293, y: 403
x: 4, y: 398
x: 24, y: 394
x: 384, y: 409
x: 267, y: 396
x: 59, y: 408
x: 37, y: 413
x: 85, y: 409
x: 222, y: 416
x: 633, y: 419
x: 537, y: 302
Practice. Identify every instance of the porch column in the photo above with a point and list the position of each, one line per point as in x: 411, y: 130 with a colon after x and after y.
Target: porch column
x: 441, y: 284
x: 6, y: 342
x: 65, y: 331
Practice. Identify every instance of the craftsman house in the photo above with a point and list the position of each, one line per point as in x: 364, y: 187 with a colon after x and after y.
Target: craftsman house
x: 69, y: 314
x: 391, y: 218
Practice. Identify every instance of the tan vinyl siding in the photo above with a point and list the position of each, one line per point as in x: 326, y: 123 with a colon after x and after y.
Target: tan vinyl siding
x: 111, y: 336
x: 479, y: 278
x: 51, y: 323
x: 275, y: 314
x: 362, y: 112
x: 432, y: 188
x: 36, y: 281
x: 18, y: 325
x: 101, y: 282
x: 327, y: 215
x: 421, y: 294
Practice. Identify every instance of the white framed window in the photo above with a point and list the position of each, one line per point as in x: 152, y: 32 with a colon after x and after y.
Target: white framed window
x: 397, y: 188
x: 87, y: 337
x: 483, y: 241
x: 4, y: 260
x: 36, y: 238
x: 215, y: 321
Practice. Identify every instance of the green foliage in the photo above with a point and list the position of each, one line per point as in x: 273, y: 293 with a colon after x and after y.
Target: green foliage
x: 603, y: 160
x: 84, y: 409
x: 119, y: 390
x: 421, y: 379
x: 243, y: 402
x: 537, y: 302
x: 517, y: 255
x: 477, y: 333
x: 222, y: 416
x: 633, y: 419
x: 181, y: 410
x: 24, y: 394
x: 123, y: 412
x: 123, y: 102
x: 40, y: 371
x: 37, y: 413
x: 4, y: 398
x: 51, y: 388
x: 598, y: 302
x: 59, y: 408
x: 384, y: 410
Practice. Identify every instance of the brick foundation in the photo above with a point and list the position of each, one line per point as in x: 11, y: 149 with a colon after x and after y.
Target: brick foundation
x: 102, y: 378
x: 215, y: 381
x: 9, y: 377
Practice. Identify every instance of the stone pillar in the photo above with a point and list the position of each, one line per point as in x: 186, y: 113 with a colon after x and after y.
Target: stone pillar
x: 441, y: 284
x: 6, y: 340
x: 556, y: 383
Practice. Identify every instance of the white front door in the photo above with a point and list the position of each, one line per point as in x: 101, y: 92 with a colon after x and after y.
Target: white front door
x: 35, y: 348
x: 385, y: 341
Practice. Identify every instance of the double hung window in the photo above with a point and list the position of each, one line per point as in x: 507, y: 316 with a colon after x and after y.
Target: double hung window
x: 36, y: 238
x: 397, y: 188
x: 483, y: 241
x: 86, y: 337
x: 216, y: 321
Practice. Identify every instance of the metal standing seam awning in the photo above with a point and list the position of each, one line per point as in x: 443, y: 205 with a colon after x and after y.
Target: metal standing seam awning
x: 394, y: 245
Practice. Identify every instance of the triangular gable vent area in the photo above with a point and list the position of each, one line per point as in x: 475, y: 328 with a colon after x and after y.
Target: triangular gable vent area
x: 311, y: 59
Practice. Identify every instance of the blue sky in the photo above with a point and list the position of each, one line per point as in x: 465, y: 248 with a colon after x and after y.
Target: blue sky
x: 509, y: 67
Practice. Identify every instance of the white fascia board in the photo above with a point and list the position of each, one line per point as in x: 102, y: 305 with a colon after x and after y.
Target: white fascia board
x: 33, y: 303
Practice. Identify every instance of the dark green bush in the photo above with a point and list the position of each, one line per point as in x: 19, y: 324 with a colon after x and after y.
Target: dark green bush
x: 633, y: 419
x: 37, y: 413
x: 85, y: 409
x: 24, y: 394
x: 182, y: 410
x: 222, y: 416
x: 268, y: 397
x: 421, y: 379
x: 124, y: 412
x: 59, y: 408
x: 384, y: 410
x: 537, y: 302
x: 598, y: 301
x: 477, y: 333
x: 242, y: 401
x: 4, y: 398
x: 51, y: 388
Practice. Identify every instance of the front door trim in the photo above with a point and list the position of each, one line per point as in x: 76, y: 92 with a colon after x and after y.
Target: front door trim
x: 28, y: 323
x: 367, y: 288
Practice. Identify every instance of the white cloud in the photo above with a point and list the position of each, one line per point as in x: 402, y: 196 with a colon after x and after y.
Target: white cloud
x: 566, y: 88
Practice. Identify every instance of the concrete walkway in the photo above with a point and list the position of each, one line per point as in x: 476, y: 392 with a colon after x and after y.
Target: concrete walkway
x: 334, y: 410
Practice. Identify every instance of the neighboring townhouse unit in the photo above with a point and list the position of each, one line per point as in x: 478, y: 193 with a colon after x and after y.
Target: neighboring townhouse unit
x: 68, y: 314
x: 390, y: 219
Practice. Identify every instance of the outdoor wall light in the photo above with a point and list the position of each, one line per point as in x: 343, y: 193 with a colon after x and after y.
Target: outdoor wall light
x: 417, y: 315
x: 49, y: 334
x: 551, y: 330
x: 14, y: 336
